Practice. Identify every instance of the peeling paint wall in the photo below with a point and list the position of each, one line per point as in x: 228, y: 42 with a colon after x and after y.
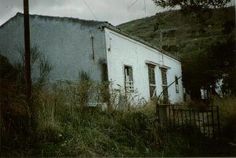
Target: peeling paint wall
x: 66, y: 44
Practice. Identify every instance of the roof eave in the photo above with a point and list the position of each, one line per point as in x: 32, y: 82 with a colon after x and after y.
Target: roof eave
x: 141, y: 41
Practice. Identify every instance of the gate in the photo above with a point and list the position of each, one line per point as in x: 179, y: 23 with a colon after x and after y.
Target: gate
x: 205, y: 119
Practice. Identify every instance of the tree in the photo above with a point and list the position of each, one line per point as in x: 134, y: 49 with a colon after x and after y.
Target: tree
x: 191, y: 4
x: 206, y: 68
x: 222, y: 64
x: 215, y: 60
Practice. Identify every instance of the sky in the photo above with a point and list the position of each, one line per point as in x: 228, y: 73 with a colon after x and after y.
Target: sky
x: 113, y: 11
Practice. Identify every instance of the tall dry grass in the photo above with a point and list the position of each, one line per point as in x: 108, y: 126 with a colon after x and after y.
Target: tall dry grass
x: 89, y: 131
x: 227, y: 106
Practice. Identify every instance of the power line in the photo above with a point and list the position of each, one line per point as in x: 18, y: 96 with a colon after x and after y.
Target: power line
x: 145, y: 7
x: 133, y: 3
x: 91, y: 11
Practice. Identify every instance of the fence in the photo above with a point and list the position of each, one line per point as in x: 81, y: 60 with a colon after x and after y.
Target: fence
x: 205, y: 119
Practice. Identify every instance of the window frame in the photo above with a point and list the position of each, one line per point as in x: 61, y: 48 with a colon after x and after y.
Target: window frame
x: 152, y: 79
x: 129, y: 88
x: 164, y: 81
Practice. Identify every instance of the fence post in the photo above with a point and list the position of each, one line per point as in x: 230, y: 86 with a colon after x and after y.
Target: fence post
x: 203, y: 122
x: 199, y: 121
x: 190, y: 119
x: 208, y: 128
x: 218, y: 120
x: 194, y: 117
x: 169, y: 116
x: 182, y: 120
x: 213, y: 123
x: 174, y: 116
x: 186, y: 117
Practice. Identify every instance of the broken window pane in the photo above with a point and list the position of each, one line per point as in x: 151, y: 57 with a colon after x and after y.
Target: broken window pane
x: 152, y: 81
x: 129, y: 83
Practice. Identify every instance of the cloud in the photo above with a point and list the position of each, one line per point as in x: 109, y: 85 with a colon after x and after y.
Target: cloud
x: 113, y: 11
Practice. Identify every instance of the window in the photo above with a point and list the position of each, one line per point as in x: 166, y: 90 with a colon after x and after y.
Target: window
x: 204, y: 95
x: 152, y: 81
x: 129, y: 83
x: 176, y: 84
x: 164, y: 84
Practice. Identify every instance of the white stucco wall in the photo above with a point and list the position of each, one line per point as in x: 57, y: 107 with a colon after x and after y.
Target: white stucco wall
x: 67, y: 46
x: 122, y: 50
x: 65, y: 42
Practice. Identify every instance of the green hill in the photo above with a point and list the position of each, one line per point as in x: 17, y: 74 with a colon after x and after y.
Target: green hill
x: 179, y: 32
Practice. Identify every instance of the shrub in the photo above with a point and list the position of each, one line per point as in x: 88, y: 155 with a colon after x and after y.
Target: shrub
x: 227, y: 116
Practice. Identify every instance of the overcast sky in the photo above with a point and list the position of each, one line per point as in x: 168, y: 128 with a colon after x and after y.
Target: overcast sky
x: 113, y: 11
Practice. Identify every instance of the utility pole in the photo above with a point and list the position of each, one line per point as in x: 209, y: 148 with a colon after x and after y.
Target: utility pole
x: 27, y: 66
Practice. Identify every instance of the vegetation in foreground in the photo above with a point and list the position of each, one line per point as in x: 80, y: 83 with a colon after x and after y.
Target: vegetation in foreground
x: 63, y: 128
x: 61, y: 125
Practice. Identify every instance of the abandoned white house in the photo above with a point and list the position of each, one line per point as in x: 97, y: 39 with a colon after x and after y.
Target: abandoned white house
x: 99, y: 49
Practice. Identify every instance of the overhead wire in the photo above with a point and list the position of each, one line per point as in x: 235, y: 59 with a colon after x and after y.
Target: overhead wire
x: 91, y: 11
x: 133, y: 3
x: 145, y: 7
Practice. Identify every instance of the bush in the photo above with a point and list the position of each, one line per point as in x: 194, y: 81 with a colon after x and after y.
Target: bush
x: 227, y: 116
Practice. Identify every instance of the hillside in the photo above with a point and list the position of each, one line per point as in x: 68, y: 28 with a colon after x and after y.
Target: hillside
x: 176, y: 31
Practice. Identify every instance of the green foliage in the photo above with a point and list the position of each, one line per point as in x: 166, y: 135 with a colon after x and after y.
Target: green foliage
x: 191, y: 4
x: 222, y: 63
x: 84, y: 86
x: 63, y: 129
x: 16, y: 115
x: 217, y: 63
x: 40, y: 66
x: 227, y: 116
x: 13, y: 109
x: 87, y: 131
x: 92, y: 132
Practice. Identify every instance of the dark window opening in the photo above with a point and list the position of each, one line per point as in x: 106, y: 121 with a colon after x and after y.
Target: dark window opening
x: 152, y: 81
x: 129, y: 83
x: 104, y: 72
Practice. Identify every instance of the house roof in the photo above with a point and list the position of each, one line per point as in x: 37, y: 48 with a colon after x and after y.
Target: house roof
x: 100, y: 24
x: 57, y: 18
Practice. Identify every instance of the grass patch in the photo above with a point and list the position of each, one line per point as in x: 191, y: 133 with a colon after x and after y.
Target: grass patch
x: 227, y: 107
x: 65, y: 129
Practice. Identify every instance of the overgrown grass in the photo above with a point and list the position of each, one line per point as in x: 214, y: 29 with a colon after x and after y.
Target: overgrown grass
x: 75, y: 131
x: 227, y: 107
x: 63, y: 128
